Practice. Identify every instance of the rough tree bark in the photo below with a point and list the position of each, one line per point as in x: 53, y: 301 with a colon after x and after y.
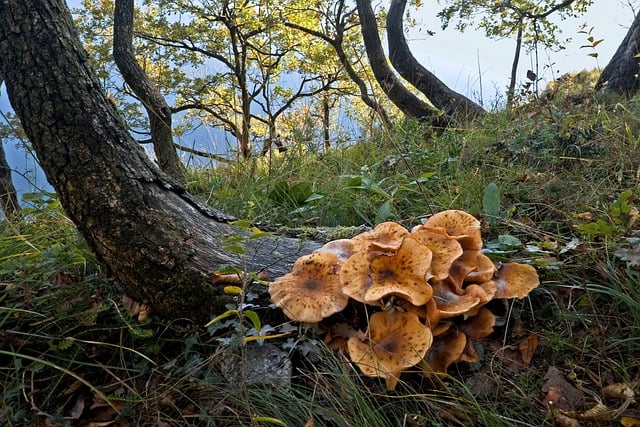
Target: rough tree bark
x: 439, y: 94
x: 159, y: 243
x: 8, y: 194
x: 158, y: 111
x: 621, y: 74
x: 403, y: 98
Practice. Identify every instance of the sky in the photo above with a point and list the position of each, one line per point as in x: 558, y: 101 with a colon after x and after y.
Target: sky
x: 462, y: 61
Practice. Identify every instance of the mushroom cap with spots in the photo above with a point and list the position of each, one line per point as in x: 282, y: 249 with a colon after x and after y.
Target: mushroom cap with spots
x: 460, y: 225
x: 485, y: 268
x: 445, y: 350
x: 462, y: 266
x: 392, y: 343
x: 445, y: 250
x: 370, y: 277
x: 312, y: 290
x: 515, y: 280
x: 386, y: 236
x: 341, y: 248
x: 451, y: 304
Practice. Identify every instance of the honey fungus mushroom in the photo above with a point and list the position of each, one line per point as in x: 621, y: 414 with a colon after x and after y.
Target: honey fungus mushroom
x: 444, y: 248
x: 393, y: 342
x: 460, y: 225
x: 312, y: 290
x: 369, y: 277
x: 386, y: 236
x: 515, y: 280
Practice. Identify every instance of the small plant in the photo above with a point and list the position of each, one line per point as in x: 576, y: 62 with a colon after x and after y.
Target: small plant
x: 619, y: 218
x: 592, y: 42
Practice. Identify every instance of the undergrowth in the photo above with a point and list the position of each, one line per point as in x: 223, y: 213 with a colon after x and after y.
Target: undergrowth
x: 565, y: 181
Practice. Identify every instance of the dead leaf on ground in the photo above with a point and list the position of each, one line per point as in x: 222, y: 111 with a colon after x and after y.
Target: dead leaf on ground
x: 561, y: 420
x: 630, y: 422
x: 619, y: 391
x: 528, y: 347
x: 559, y: 392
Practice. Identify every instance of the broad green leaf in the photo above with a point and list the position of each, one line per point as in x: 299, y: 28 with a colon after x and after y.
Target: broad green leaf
x: 254, y: 318
x: 491, y: 201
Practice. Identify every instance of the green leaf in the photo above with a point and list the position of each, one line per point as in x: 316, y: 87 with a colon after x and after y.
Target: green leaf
x: 269, y: 420
x: 594, y: 229
x: 491, y: 201
x: 220, y: 317
x: 384, y: 212
x: 508, y: 241
x: 254, y: 318
x: 236, y: 249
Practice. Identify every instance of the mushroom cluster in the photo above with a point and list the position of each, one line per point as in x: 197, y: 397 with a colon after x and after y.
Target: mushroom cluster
x: 422, y: 294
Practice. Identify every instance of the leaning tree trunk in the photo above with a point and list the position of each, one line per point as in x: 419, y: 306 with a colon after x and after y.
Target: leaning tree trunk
x: 158, y: 111
x: 159, y: 243
x: 403, y: 98
x: 8, y: 195
x: 439, y: 94
x: 621, y: 73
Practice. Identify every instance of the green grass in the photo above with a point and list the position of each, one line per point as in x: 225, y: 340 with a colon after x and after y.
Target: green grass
x: 568, y: 174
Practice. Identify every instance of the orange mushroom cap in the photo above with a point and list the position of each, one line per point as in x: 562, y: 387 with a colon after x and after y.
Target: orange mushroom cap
x: 479, y: 326
x: 485, y: 268
x: 461, y: 267
x: 354, y: 276
x: 469, y: 353
x: 515, y: 280
x: 386, y: 236
x: 393, y: 342
x: 460, y: 225
x: 402, y: 274
x: 450, y: 304
x: 445, y: 250
x: 312, y: 290
x: 445, y: 350
x: 342, y: 248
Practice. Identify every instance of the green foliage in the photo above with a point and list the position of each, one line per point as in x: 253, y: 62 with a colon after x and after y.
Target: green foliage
x: 255, y: 78
x: 501, y: 19
x: 491, y: 202
x: 65, y: 339
x: 620, y: 216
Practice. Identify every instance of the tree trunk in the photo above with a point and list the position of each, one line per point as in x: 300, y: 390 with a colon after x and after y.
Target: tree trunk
x: 440, y: 95
x: 158, y: 111
x: 158, y: 242
x: 8, y: 195
x: 621, y: 73
x: 407, y: 102
x: 511, y: 91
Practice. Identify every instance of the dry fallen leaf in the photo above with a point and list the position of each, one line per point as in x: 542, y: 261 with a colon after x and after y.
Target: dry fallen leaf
x: 562, y: 420
x: 630, y: 422
x: 599, y: 412
x: 528, y: 347
x: 618, y: 391
x: 559, y: 392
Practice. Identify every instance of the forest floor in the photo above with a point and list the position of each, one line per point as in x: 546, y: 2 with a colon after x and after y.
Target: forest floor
x: 555, y: 185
